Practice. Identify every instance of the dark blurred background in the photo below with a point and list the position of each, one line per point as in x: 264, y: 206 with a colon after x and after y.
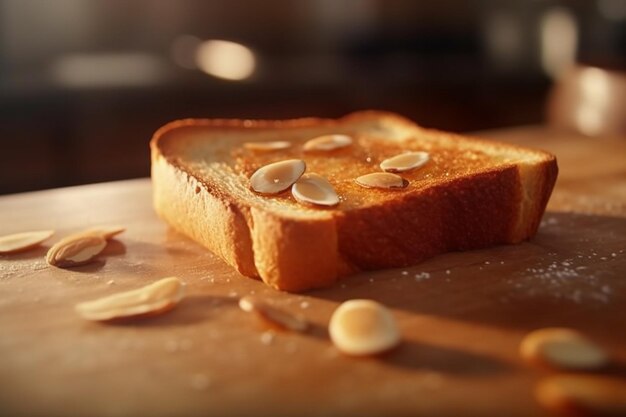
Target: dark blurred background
x: 84, y: 83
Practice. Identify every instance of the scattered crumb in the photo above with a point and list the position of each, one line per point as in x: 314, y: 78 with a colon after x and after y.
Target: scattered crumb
x: 405, y: 272
x: 448, y: 271
x: 110, y: 282
x: 563, y: 280
x: 232, y: 294
x: 304, y: 304
x: 422, y: 276
x: 267, y: 338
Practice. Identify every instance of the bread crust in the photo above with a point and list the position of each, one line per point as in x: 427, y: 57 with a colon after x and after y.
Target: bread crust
x: 497, y: 205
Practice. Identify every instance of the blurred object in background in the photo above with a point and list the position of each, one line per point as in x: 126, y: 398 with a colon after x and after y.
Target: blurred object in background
x: 590, y: 100
x: 85, y: 83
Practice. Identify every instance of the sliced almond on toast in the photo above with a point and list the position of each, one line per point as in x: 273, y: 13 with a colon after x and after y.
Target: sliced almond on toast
x: 363, y: 327
x: 562, y: 348
x: 267, y: 146
x: 384, y: 180
x: 18, y: 242
x: 405, y: 162
x: 327, y: 143
x: 156, y: 298
x: 277, y: 177
x: 273, y: 315
x: 314, y: 189
x: 75, y: 250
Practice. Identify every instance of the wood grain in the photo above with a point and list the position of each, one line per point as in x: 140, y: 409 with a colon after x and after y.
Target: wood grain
x: 462, y: 315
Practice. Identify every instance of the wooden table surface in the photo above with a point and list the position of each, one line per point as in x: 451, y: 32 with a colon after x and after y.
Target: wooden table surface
x: 462, y: 314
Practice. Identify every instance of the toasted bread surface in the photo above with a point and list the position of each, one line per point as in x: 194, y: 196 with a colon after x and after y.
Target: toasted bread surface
x: 471, y: 194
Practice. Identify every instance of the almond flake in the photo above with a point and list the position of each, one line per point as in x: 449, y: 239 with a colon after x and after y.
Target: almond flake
x: 562, y: 348
x: 383, y: 180
x: 74, y: 250
x: 158, y: 297
x: 273, y: 315
x: 23, y: 241
x: 277, y: 177
x: 107, y: 232
x: 363, y: 327
x: 327, y: 143
x: 583, y: 395
x: 314, y: 189
x: 405, y: 162
x: 267, y: 146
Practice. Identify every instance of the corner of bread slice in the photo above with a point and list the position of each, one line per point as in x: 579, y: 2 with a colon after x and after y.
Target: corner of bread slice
x: 296, y: 251
x: 185, y: 203
x: 537, y: 172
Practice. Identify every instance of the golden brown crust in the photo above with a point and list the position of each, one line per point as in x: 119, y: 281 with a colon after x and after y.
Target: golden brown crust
x: 499, y: 204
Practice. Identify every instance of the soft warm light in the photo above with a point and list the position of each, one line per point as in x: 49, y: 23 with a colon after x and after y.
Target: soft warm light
x: 595, y: 92
x: 559, y: 40
x: 225, y: 59
x: 595, y: 86
x: 99, y: 70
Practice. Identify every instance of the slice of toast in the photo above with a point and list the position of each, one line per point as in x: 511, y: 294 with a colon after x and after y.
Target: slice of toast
x: 470, y: 194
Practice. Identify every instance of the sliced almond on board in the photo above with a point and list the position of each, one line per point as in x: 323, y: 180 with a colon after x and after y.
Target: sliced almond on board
x: 74, y: 250
x: 363, y: 327
x: 562, y: 348
x: 405, y: 162
x: 273, y: 315
x: 158, y: 297
x: 327, y: 143
x: 107, y: 232
x: 18, y: 242
x: 277, y: 177
x: 314, y: 189
x: 583, y: 395
x: 267, y: 146
x: 383, y: 180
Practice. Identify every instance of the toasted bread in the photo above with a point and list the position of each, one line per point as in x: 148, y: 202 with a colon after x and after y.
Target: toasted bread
x: 471, y: 194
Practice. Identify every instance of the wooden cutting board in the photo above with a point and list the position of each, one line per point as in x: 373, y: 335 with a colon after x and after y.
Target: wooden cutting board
x: 462, y: 314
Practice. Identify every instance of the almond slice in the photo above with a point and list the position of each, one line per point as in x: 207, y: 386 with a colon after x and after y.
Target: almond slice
x: 267, y: 146
x: 158, y: 297
x: 363, y: 327
x: 314, y: 189
x: 273, y: 315
x: 582, y: 395
x: 74, y: 250
x: 384, y: 180
x: 107, y: 232
x: 277, y: 177
x: 562, y: 348
x: 405, y: 162
x: 23, y: 241
x: 327, y: 143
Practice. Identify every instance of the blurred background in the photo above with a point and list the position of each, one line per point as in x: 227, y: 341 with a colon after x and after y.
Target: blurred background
x: 85, y: 83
